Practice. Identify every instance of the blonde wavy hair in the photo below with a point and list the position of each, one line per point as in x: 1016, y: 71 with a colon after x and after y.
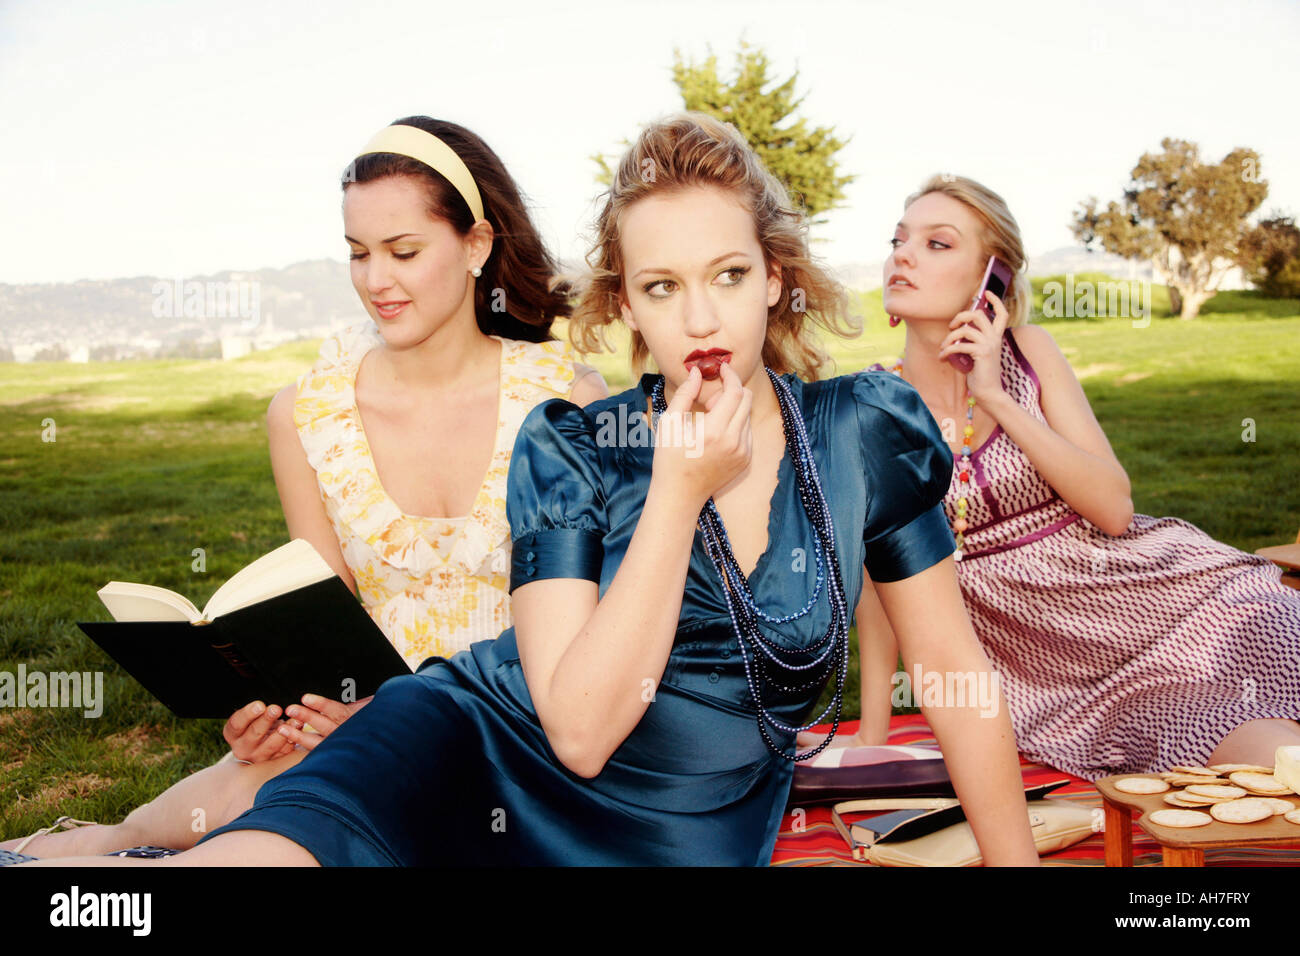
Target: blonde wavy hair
x: 1001, y: 234
x: 694, y: 149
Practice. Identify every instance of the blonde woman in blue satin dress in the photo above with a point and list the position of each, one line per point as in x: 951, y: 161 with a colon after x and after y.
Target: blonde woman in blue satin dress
x: 641, y: 711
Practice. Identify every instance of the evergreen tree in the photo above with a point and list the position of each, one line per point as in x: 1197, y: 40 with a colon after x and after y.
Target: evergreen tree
x: 801, y: 157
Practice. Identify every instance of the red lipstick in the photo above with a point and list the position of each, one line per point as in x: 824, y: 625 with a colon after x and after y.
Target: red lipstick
x: 709, y: 363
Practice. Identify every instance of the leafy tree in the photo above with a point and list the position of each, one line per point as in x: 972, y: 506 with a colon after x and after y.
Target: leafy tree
x: 762, y: 109
x: 1270, y: 256
x: 1186, y: 217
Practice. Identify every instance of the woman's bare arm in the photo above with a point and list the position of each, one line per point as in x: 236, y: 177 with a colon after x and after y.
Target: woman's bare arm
x: 1070, y: 451
x: 588, y: 386
x: 976, y: 738
x: 592, y: 668
x: 295, y: 480
x: 877, y: 664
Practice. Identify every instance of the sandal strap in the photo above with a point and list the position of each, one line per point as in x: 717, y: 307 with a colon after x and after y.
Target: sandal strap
x: 62, y: 823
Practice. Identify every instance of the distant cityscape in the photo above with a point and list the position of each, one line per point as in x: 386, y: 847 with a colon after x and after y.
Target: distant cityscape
x: 227, y: 315
x: 224, y: 315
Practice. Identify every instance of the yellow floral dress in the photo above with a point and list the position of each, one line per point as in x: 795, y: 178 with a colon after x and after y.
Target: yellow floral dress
x: 433, y: 585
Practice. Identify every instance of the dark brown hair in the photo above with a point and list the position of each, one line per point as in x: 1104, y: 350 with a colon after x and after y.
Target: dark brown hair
x: 519, y: 264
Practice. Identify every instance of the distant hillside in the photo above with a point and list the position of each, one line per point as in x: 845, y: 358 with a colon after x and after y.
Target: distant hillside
x: 153, y: 315
x: 227, y: 313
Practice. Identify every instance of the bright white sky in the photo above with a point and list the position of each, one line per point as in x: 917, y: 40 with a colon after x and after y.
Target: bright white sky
x: 184, y: 138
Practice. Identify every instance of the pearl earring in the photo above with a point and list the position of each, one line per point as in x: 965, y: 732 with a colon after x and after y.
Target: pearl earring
x: 476, y: 272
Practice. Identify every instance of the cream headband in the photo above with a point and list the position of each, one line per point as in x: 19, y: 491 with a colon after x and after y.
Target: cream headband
x: 434, y: 153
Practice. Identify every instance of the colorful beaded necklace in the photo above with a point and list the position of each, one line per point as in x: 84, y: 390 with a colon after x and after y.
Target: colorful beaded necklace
x: 768, y: 664
x: 963, y: 469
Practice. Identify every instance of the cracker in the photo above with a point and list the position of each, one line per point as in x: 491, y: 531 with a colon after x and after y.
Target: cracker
x: 1199, y: 771
x: 1260, y: 783
x: 1217, y: 792
x: 1175, y: 799
x: 1278, y: 804
x: 1234, y: 767
x: 1248, y: 810
x: 1140, y: 785
x: 1199, y: 801
x: 1292, y: 816
x: 1181, y: 818
x: 1192, y: 779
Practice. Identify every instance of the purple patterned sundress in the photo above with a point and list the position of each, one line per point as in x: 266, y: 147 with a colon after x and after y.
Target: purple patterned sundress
x: 1119, y: 654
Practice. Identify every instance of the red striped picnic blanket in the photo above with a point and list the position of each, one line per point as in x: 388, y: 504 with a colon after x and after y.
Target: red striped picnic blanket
x: 810, y: 839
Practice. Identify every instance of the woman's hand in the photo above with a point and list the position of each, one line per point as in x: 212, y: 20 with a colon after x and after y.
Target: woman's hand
x: 324, y: 715
x: 698, y: 454
x: 975, y: 335
x: 252, y: 734
x: 808, y: 739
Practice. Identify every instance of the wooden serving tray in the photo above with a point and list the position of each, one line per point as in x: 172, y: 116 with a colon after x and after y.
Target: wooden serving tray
x: 1276, y: 829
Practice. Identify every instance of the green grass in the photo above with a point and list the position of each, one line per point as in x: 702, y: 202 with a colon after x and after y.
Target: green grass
x: 155, y: 459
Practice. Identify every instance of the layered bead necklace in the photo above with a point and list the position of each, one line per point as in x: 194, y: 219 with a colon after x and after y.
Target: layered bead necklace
x: 766, y: 663
x: 960, y: 525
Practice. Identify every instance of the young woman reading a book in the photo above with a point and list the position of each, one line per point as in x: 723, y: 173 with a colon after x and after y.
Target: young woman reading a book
x: 1125, y: 643
x: 644, y: 706
x: 390, y: 455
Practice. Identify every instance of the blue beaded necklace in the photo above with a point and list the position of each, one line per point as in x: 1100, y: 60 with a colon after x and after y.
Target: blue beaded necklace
x: 765, y: 662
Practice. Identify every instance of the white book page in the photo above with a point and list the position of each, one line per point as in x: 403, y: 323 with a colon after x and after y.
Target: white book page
x: 145, y: 602
x: 287, y: 568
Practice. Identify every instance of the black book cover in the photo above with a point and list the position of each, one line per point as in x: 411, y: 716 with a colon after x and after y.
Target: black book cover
x: 913, y: 824
x: 312, y: 640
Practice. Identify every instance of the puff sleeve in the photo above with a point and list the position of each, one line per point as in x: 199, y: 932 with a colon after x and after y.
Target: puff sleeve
x: 908, y: 467
x: 555, y: 497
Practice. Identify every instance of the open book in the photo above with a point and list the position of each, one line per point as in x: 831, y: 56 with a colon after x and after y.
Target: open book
x: 284, y: 626
x: 288, y: 567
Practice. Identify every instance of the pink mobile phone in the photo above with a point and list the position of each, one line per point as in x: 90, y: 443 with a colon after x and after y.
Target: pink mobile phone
x: 997, y: 279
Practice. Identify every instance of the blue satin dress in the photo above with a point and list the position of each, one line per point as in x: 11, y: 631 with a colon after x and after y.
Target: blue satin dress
x: 450, y: 766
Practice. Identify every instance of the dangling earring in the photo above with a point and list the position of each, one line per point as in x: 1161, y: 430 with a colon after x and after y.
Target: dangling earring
x: 894, y: 320
x: 476, y: 272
